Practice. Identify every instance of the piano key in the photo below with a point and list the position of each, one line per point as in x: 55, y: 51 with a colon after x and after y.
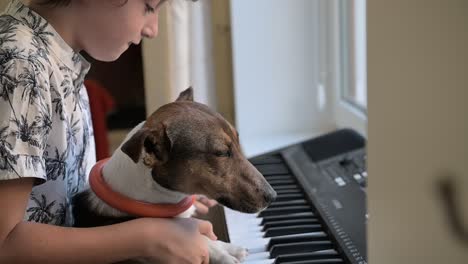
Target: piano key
x: 250, y: 229
x: 261, y: 261
x: 290, y: 223
x: 284, y: 210
x: 300, y: 247
x: 318, y: 261
x: 288, y: 203
x: 250, y: 236
x: 288, y: 191
x: 255, y: 245
x: 288, y: 186
x: 257, y: 248
x: 278, y: 177
x: 296, y: 238
x: 275, y: 182
x: 257, y: 256
x: 289, y: 230
x: 246, y: 237
x: 317, y: 255
x: 268, y: 159
x: 299, y: 215
x: 288, y: 197
x: 272, y: 169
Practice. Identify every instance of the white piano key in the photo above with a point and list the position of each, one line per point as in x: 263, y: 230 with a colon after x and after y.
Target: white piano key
x: 256, y: 249
x: 242, y: 239
x: 255, y: 242
x: 262, y: 261
x: 256, y: 234
x: 249, y: 229
x: 257, y: 256
x: 238, y: 220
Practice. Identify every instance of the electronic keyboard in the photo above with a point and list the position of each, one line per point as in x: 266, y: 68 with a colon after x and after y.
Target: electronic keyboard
x: 319, y: 215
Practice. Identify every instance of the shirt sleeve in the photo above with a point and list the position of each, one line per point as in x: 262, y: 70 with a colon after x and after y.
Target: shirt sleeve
x: 25, y: 120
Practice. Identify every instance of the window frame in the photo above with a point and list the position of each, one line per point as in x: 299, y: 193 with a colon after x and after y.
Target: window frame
x: 341, y: 67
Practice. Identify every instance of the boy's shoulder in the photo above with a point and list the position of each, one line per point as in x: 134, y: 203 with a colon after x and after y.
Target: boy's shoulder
x: 18, y: 40
x: 14, y: 32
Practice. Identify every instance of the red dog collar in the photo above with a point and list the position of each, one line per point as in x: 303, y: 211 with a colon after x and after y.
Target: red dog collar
x: 130, y: 206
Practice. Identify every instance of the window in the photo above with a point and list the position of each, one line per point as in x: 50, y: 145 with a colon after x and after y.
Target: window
x: 347, y: 28
x: 353, y: 44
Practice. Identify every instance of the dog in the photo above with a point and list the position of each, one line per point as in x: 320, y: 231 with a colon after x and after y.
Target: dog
x: 183, y: 148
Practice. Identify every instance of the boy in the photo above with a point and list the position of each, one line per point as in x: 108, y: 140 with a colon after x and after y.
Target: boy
x: 46, y: 138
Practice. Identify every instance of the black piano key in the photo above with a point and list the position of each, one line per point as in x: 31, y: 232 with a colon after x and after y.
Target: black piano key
x: 314, y: 236
x: 284, y: 210
x: 278, y: 177
x: 288, y: 197
x: 288, y: 191
x: 287, y: 216
x: 318, y: 255
x: 272, y: 169
x: 266, y: 159
x: 281, y: 181
x: 300, y: 247
x: 290, y: 223
x: 288, y: 203
x: 317, y: 261
x: 290, y: 230
x: 287, y: 186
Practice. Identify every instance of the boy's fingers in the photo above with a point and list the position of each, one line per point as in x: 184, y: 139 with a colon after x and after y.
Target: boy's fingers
x: 201, y: 208
x: 206, y: 259
x: 206, y: 201
x: 206, y: 228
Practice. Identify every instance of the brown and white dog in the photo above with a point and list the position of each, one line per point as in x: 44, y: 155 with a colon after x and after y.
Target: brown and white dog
x: 183, y: 148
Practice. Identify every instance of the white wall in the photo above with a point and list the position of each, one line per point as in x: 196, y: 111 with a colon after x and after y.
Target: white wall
x: 276, y: 56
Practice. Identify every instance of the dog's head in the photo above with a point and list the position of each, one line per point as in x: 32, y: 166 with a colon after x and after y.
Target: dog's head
x: 192, y: 149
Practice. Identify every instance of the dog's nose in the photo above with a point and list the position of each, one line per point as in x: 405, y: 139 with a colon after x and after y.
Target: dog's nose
x: 269, y: 196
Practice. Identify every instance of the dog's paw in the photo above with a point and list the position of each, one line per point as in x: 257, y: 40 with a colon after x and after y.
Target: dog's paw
x: 230, y: 260
x: 239, y: 253
x: 225, y: 253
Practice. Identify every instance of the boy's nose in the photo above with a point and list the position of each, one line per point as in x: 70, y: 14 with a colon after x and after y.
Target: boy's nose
x: 150, y: 31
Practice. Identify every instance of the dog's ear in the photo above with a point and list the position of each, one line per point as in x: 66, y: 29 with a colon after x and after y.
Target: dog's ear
x: 153, y: 143
x: 186, y: 95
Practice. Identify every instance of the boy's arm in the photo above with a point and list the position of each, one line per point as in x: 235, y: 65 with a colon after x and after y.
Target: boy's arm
x: 161, y: 240
x: 28, y: 242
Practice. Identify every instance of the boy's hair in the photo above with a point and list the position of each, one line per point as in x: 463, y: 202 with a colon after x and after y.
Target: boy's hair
x: 55, y: 2
x: 67, y: 2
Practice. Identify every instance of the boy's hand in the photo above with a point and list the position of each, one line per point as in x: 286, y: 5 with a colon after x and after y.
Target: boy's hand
x: 203, y: 204
x: 175, y: 241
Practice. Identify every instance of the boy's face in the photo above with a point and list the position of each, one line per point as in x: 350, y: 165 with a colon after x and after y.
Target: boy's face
x: 109, y: 27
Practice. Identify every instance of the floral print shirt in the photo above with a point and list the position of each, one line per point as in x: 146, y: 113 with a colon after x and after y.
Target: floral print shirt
x: 45, y: 124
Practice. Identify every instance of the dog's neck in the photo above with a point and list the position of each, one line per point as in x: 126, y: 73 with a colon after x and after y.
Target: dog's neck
x: 133, y: 180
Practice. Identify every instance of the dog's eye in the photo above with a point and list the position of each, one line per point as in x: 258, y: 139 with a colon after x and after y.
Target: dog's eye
x: 223, y: 153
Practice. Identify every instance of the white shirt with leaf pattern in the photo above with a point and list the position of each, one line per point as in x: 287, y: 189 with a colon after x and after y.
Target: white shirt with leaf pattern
x: 45, y: 124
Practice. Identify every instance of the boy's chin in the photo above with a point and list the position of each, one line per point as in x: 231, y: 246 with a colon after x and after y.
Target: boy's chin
x: 108, y: 57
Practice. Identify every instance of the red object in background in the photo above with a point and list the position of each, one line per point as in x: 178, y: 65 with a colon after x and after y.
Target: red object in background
x: 101, y: 103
